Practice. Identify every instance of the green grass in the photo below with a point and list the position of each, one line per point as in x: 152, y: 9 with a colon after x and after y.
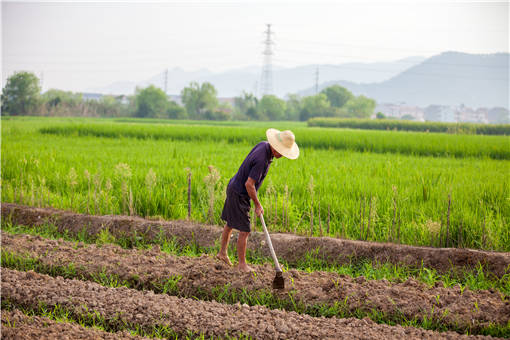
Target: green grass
x: 404, y: 198
x: 476, y: 279
x: 405, y: 125
x: 422, y: 144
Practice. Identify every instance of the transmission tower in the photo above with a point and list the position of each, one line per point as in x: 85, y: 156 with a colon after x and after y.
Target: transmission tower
x: 166, y: 80
x: 317, y: 80
x: 41, y: 80
x: 267, y: 69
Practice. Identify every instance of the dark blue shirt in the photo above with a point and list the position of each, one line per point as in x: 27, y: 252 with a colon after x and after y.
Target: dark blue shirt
x: 255, y: 165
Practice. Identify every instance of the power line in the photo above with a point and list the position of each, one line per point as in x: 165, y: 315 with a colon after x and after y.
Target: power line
x: 370, y: 47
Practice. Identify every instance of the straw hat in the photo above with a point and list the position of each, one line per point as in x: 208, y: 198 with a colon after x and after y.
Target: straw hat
x: 283, y: 142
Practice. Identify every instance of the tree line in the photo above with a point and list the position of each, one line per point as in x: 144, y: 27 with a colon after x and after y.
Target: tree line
x: 22, y: 95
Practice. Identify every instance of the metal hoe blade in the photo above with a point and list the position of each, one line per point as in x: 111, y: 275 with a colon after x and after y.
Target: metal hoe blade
x: 278, y: 282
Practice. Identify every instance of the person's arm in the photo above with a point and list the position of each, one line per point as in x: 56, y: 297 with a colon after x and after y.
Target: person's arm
x: 252, y: 192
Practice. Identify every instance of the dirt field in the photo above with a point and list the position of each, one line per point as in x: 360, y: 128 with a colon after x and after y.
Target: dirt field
x: 144, y: 308
x: 287, y: 246
x: 16, y: 325
x: 148, y: 269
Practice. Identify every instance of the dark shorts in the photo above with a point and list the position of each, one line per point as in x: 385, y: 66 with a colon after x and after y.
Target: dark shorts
x: 236, y: 211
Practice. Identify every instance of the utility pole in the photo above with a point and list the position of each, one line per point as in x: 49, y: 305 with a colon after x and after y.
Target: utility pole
x: 267, y: 68
x: 41, y: 80
x: 317, y: 80
x: 166, y: 80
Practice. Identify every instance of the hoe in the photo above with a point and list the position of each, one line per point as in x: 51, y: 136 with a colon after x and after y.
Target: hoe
x: 278, y: 282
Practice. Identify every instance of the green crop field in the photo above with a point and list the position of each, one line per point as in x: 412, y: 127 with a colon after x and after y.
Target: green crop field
x: 409, y: 187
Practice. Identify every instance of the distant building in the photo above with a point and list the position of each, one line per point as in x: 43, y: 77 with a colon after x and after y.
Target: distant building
x: 413, y: 111
x: 400, y: 110
x: 440, y: 113
x: 444, y: 113
x: 498, y: 115
x: 480, y: 115
x: 469, y: 115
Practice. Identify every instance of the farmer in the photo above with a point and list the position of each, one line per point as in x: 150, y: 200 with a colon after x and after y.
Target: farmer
x: 244, y: 186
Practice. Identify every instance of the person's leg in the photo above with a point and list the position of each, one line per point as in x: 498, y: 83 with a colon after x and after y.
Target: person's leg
x: 241, y: 251
x: 225, y: 237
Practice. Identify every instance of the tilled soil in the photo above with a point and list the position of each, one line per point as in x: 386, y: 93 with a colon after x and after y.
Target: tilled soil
x: 289, y: 247
x: 146, y: 309
x: 18, y: 326
x: 469, y: 310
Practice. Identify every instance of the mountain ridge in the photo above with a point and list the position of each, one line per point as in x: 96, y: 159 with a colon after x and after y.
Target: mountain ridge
x: 450, y: 78
x: 232, y: 82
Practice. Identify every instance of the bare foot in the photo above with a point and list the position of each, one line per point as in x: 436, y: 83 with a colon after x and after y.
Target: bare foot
x: 224, y: 258
x: 244, y: 268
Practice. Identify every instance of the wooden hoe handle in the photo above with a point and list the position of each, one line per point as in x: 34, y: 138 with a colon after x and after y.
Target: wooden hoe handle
x: 270, y: 244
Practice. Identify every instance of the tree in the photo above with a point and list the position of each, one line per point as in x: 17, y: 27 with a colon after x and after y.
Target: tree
x: 175, y: 111
x: 380, y: 115
x: 198, y: 99
x: 222, y: 112
x: 359, y: 107
x: 337, y: 95
x: 109, y: 106
x: 245, y: 106
x: 315, y: 106
x: 21, y: 94
x: 150, y: 102
x: 53, y: 98
x: 293, y: 107
x: 271, y: 107
x: 58, y: 102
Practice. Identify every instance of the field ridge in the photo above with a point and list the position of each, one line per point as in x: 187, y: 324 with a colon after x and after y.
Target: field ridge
x: 206, y: 278
x: 289, y: 247
x: 146, y: 309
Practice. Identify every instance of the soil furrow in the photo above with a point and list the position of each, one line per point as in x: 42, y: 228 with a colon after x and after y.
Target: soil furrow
x: 289, y: 247
x: 150, y: 269
x: 144, y: 308
x: 16, y: 325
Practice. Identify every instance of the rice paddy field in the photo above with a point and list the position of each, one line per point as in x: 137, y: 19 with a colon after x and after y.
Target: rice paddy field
x: 110, y: 226
x: 413, y: 188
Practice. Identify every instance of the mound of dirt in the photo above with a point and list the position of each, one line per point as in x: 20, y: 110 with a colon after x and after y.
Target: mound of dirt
x: 149, y: 269
x: 289, y: 247
x: 146, y: 309
x: 16, y: 325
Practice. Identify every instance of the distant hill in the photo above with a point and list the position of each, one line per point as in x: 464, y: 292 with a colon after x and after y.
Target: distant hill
x: 451, y: 78
x: 285, y: 80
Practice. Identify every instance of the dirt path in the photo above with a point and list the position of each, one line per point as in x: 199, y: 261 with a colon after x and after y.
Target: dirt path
x: 144, y: 308
x: 18, y: 326
x: 290, y: 247
x: 469, y: 310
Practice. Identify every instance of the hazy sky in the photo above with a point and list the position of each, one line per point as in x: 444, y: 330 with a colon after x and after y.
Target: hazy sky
x: 78, y: 45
